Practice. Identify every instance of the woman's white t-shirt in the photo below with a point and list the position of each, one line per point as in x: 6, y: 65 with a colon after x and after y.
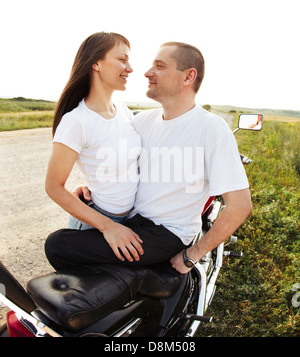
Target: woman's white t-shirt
x: 108, y: 151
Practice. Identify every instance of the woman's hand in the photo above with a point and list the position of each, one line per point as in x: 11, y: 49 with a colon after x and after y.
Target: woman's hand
x: 123, y: 240
x: 120, y: 238
x: 82, y: 192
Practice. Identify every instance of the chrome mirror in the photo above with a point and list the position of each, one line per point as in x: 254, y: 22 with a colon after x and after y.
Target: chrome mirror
x: 250, y: 121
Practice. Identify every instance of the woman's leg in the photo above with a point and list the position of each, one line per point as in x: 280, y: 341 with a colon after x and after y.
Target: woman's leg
x: 68, y: 247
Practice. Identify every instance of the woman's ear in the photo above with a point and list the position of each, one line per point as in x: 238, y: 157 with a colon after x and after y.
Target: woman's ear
x: 96, y: 67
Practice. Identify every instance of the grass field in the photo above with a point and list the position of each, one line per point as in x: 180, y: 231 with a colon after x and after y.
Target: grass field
x: 257, y: 295
x: 25, y: 120
x: 21, y: 113
x: 281, y: 118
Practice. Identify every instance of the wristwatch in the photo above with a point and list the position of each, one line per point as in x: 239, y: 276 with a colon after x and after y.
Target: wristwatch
x: 187, y: 261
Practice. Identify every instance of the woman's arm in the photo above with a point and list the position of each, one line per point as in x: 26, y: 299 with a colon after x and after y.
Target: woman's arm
x: 118, y: 236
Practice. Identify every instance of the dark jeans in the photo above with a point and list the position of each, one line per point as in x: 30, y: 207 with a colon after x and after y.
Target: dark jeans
x: 68, y: 247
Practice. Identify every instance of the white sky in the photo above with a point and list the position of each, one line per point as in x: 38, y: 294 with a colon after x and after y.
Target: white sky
x: 251, y: 47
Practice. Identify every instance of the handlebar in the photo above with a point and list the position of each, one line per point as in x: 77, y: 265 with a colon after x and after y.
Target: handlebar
x: 245, y: 159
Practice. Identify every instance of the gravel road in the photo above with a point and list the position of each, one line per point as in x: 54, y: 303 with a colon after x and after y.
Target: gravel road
x: 27, y: 214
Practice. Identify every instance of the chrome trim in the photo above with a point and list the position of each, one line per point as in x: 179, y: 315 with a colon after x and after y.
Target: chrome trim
x: 30, y: 322
x: 129, y: 329
x: 201, y: 300
x: 207, y: 288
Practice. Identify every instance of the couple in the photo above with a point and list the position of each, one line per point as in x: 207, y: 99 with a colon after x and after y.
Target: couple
x: 150, y: 175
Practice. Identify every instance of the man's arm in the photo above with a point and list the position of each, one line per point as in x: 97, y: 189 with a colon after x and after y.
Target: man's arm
x: 237, y: 209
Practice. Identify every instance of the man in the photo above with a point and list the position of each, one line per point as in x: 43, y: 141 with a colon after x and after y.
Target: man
x: 188, y: 155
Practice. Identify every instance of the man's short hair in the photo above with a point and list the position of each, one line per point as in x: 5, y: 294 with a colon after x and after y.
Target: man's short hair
x: 187, y: 56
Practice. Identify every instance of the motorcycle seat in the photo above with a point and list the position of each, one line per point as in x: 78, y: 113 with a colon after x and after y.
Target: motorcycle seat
x: 77, y: 297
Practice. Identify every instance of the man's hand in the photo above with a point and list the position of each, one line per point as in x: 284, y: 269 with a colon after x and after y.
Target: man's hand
x: 178, y: 264
x: 237, y: 208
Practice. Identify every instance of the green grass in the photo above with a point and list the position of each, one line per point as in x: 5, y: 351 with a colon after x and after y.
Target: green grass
x: 25, y: 120
x: 21, y: 104
x: 254, y: 294
x: 20, y: 113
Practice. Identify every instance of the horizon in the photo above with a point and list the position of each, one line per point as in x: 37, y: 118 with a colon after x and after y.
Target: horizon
x: 154, y: 104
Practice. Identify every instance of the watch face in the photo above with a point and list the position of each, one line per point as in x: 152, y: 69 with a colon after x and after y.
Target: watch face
x: 188, y: 263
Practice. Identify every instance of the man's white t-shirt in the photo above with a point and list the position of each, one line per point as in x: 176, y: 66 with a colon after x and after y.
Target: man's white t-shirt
x: 108, y: 151
x: 183, y: 162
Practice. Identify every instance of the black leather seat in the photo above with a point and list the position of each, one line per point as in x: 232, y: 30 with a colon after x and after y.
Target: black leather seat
x: 77, y: 297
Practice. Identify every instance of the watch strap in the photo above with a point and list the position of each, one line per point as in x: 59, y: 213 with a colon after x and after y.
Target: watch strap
x: 187, y: 261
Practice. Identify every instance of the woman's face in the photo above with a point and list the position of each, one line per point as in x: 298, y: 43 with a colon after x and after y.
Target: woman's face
x: 115, y: 68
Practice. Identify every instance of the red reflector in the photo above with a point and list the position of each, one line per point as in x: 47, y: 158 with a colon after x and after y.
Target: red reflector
x: 15, y: 327
x: 207, y: 204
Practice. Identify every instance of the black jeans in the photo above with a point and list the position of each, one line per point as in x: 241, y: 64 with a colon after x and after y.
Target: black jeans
x: 68, y: 247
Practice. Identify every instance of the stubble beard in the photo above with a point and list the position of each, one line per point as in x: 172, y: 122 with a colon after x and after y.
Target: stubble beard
x: 151, y: 94
x: 155, y: 95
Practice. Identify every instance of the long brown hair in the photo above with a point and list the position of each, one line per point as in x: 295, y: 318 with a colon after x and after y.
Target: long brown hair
x: 93, y: 49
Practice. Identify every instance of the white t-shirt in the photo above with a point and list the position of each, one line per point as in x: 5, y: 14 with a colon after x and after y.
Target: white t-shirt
x: 183, y: 162
x: 108, y: 151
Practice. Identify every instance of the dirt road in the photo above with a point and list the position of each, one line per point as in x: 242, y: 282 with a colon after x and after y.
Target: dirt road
x: 27, y: 214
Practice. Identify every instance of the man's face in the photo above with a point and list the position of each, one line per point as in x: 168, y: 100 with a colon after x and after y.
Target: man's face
x: 165, y: 81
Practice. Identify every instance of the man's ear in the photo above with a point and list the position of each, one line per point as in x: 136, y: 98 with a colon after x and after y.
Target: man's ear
x: 190, y: 76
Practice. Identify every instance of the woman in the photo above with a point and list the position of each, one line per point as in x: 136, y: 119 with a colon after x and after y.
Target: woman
x: 92, y: 130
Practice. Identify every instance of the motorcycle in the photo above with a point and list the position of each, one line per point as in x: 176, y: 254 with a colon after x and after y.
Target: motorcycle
x: 118, y: 301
